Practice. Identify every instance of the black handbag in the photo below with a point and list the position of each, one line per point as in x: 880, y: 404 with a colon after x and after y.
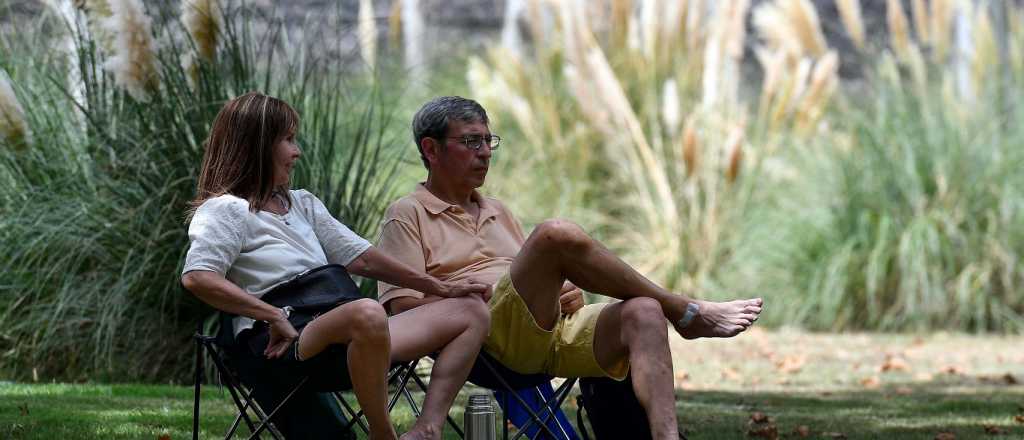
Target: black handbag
x: 305, y: 297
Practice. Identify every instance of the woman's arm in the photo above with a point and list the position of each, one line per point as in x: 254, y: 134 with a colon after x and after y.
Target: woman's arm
x: 215, y: 290
x: 377, y: 265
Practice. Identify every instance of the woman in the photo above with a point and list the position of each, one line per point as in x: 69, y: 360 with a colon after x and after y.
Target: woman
x: 249, y: 233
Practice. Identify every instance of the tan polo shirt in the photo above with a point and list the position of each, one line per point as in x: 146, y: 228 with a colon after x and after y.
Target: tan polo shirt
x: 442, y: 239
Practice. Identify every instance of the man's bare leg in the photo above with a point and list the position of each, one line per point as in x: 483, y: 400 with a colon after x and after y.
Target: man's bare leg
x: 361, y: 324
x: 634, y: 328
x: 558, y: 250
x: 455, y: 327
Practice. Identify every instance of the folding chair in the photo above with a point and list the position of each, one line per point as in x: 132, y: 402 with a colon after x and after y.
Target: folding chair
x: 259, y: 422
x: 491, y: 374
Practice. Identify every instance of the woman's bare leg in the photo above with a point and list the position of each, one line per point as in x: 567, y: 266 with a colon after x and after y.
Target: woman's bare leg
x: 363, y: 326
x: 455, y: 328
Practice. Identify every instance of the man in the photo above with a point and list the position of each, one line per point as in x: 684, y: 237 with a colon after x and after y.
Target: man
x: 538, y: 320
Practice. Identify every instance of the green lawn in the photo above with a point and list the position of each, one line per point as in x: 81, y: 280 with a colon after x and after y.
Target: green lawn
x: 857, y: 386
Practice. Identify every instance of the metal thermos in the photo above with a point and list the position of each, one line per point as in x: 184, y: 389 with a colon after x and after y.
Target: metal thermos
x: 479, y: 421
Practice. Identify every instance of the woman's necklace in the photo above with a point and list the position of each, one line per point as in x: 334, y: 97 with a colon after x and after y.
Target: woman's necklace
x: 279, y: 197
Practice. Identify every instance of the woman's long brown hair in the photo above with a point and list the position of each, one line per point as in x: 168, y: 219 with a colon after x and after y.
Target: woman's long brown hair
x: 239, y: 157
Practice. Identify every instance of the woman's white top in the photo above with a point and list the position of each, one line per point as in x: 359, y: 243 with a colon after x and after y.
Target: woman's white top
x: 259, y: 250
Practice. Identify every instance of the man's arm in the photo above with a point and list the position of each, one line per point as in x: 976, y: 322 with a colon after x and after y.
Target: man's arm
x: 378, y: 265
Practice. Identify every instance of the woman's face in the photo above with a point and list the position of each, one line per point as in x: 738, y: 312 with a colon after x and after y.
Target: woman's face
x: 286, y: 152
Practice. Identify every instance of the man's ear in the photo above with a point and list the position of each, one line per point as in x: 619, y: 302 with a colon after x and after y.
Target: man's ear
x: 431, y: 149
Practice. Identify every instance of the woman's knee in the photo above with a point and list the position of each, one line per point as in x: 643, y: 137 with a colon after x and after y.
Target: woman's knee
x: 366, y: 319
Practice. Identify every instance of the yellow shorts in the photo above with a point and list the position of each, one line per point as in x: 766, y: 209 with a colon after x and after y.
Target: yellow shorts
x: 523, y: 346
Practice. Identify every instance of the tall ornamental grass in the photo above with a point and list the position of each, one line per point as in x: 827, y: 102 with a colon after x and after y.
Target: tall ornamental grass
x: 93, y: 202
x: 893, y: 203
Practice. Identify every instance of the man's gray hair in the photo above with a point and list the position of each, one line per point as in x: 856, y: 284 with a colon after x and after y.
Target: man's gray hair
x: 433, y: 118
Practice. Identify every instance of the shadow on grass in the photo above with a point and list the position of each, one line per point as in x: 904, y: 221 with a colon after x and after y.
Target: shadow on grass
x: 911, y: 411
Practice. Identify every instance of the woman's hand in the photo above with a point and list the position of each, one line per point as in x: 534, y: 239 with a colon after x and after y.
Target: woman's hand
x: 571, y: 298
x: 455, y: 289
x: 281, y: 336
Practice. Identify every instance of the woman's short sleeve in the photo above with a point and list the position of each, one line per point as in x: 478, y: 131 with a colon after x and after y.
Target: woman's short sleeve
x: 216, y: 234
x: 340, y: 244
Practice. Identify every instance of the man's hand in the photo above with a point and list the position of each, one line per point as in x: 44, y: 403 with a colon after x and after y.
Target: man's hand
x: 281, y: 336
x: 571, y: 298
x: 454, y: 289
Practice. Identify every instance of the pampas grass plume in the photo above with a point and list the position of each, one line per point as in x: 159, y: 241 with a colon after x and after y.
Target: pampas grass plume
x: 133, y: 63
x: 691, y: 147
x: 368, y: 32
x: 921, y: 21
x: 899, y: 34
x: 13, y: 126
x: 804, y: 19
x: 670, y: 105
x: 734, y: 147
x: 853, y: 20
x: 941, y: 28
x: 204, y: 21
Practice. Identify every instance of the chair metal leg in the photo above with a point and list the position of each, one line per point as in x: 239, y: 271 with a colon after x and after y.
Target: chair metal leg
x: 266, y: 420
x: 549, y: 410
x: 198, y: 384
x: 533, y: 415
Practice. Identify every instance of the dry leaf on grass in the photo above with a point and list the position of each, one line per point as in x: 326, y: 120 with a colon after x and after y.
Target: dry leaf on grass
x: 164, y: 437
x: 769, y: 431
x: 871, y: 382
x: 791, y: 364
x: 955, y: 370
x: 730, y: 373
x: 894, y: 363
x: 760, y: 425
x: 1010, y: 379
x: 802, y: 431
x: 994, y: 430
x: 945, y: 436
x: 1019, y: 418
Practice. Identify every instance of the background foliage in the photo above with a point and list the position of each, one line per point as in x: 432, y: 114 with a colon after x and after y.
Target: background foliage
x: 719, y: 163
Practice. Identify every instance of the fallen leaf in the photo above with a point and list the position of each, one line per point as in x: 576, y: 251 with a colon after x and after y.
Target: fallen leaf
x: 759, y: 417
x: 1019, y: 418
x: 994, y: 430
x: 894, y: 363
x: 871, y: 382
x: 953, y: 370
x: 768, y: 431
x: 164, y: 437
x: 802, y: 431
x: 791, y: 364
x: 1010, y: 379
x: 945, y: 436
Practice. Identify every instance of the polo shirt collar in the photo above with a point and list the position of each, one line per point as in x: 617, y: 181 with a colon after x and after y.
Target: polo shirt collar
x: 436, y: 206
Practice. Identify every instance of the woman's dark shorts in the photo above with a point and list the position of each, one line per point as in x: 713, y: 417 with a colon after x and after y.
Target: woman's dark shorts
x: 327, y: 370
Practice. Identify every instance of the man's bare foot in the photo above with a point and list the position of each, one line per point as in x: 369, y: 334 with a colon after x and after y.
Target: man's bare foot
x: 721, y: 319
x: 419, y: 432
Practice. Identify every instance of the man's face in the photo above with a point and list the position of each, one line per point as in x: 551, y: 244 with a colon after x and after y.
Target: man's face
x: 458, y: 163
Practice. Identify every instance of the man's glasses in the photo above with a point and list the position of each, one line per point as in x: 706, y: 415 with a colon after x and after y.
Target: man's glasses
x: 476, y: 142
